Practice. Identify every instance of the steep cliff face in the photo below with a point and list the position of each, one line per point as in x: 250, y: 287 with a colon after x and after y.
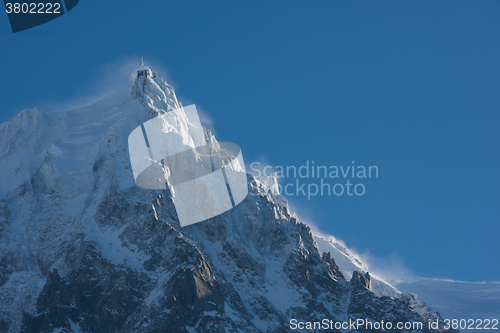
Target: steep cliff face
x: 83, y: 249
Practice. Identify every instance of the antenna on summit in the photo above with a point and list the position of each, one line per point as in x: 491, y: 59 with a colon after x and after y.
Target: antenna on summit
x: 143, y: 70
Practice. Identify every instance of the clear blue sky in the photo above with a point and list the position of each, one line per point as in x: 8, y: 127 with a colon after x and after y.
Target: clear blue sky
x: 410, y: 86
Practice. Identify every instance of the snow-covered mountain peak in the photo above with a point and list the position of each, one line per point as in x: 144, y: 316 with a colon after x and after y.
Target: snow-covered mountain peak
x: 83, y: 248
x: 153, y: 92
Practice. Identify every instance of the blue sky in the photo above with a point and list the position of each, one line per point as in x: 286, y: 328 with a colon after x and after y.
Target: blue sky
x: 412, y: 87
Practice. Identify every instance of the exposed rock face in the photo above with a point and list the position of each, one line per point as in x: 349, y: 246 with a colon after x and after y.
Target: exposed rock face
x: 85, y: 250
x: 363, y: 280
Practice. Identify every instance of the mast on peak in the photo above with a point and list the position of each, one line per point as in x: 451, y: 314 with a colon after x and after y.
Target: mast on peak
x: 145, y: 71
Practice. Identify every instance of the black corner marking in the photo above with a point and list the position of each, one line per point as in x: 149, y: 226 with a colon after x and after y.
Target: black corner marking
x: 70, y: 4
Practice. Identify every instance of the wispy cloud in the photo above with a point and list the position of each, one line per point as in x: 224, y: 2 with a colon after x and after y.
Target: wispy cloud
x: 391, y: 268
x: 111, y: 77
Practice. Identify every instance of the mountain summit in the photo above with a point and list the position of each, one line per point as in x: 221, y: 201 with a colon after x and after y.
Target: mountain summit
x: 153, y: 92
x: 83, y: 249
